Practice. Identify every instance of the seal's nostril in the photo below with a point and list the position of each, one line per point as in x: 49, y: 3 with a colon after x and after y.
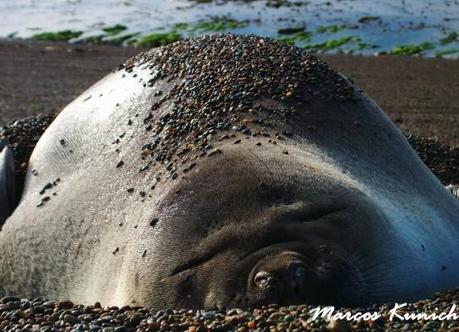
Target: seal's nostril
x: 263, y: 279
x: 299, y: 275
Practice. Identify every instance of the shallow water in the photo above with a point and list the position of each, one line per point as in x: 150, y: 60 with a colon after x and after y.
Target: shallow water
x: 350, y: 26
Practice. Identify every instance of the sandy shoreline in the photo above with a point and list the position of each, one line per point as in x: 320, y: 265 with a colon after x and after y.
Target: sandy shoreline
x: 420, y: 95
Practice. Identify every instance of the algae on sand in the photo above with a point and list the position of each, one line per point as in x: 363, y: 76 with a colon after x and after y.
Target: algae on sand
x: 333, y: 43
x: 64, y: 35
x: 411, y: 49
x: 448, y: 51
x: 159, y: 39
x: 334, y: 28
x: 114, y: 30
x: 216, y: 24
x: 293, y: 35
x: 452, y: 37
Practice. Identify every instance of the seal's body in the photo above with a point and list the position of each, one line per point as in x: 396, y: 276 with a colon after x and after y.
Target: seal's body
x: 228, y: 171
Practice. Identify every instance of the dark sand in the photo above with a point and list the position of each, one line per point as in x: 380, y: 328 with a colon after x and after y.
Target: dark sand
x: 420, y: 95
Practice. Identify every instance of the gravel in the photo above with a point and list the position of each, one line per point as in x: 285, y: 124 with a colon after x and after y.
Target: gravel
x: 443, y: 160
x: 22, y: 136
x: 42, y: 315
x: 220, y: 82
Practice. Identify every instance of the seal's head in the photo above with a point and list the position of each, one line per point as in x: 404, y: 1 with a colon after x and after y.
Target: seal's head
x: 253, y: 225
x: 292, y: 185
x: 243, y: 172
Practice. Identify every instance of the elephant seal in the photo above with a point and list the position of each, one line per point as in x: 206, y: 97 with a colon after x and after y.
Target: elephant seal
x: 228, y: 171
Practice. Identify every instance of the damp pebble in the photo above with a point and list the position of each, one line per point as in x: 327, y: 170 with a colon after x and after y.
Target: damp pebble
x: 154, y: 221
x: 46, y: 187
x: 19, y: 313
x: 214, y: 152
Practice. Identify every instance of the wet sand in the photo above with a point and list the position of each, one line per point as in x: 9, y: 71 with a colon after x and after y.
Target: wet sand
x: 420, y: 95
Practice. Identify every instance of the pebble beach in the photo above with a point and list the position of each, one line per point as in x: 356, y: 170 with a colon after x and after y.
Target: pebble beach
x: 18, y: 314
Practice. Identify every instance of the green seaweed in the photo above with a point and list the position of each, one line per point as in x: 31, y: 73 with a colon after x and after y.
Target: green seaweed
x: 334, y: 28
x: 452, y: 37
x: 110, y: 35
x: 216, y: 24
x: 447, y: 51
x: 120, y: 39
x: 367, y: 19
x: 159, y: 38
x: 302, y: 36
x: 114, y: 30
x: 64, y: 35
x: 411, y: 49
x: 290, y: 31
x: 181, y: 26
x: 286, y: 3
x: 333, y: 43
x: 363, y: 46
x: 91, y: 39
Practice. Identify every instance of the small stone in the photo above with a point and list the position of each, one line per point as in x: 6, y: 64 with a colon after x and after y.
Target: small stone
x: 8, y: 299
x: 214, y: 152
x: 68, y: 318
x: 154, y: 221
x: 339, y: 325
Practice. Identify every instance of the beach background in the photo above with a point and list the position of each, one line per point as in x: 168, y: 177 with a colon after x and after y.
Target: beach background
x: 404, y: 54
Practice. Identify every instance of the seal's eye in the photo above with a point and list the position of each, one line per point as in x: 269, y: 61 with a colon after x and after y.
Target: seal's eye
x: 262, y: 279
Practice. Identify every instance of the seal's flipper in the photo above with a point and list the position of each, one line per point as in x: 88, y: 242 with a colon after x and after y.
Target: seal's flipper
x: 453, y: 189
x: 7, y: 182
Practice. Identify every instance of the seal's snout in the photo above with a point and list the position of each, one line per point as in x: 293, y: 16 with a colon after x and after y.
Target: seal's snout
x: 289, y: 276
x: 271, y: 284
x: 278, y: 279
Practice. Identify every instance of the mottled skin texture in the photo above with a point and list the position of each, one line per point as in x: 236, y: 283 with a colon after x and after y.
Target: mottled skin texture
x: 344, y: 197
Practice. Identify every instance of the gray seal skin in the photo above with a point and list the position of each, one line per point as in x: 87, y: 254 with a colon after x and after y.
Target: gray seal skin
x: 327, y: 206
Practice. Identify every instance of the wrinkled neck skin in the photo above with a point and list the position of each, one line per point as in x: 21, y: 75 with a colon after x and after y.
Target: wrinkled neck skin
x: 344, y: 195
